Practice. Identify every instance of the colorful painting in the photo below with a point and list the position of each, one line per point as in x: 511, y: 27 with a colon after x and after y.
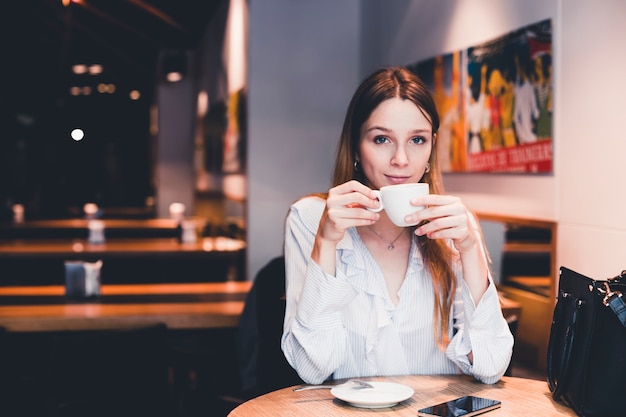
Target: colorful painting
x: 506, y: 93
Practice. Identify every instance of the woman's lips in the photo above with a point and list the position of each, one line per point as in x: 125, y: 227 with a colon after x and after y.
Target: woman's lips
x: 396, y: 179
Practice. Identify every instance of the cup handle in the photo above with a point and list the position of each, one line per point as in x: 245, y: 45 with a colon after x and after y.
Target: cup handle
x: 380, y: 207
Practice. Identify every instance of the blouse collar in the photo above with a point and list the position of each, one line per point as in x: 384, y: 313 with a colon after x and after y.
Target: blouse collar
x: 352, y: 253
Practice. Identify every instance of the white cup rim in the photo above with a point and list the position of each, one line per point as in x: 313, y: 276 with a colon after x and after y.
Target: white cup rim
x: 406, y: 185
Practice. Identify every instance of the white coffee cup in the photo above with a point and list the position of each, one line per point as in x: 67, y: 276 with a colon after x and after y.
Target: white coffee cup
x: 396, y: 201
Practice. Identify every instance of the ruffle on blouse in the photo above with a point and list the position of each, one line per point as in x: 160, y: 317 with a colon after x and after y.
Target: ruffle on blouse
x: 384, y: 353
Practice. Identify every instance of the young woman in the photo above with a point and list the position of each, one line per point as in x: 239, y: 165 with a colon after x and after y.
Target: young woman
x: 366, y: 297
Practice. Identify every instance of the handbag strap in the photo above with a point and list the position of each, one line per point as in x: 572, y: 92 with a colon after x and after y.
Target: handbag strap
x: 618, y: 306
x: 557, y: 383
x: 614, y: 300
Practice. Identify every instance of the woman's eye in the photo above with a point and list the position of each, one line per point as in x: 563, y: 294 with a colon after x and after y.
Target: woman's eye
x: 418, y: 139
x: 381, y: 139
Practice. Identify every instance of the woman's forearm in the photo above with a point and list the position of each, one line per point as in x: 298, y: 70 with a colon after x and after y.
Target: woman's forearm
x: 475, y: 271
x: 324, y: 253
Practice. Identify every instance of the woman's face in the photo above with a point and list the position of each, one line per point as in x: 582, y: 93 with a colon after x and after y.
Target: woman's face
x: 396, y: 142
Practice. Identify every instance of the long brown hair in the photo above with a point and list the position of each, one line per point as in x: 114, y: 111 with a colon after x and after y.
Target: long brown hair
x: 382, y: 85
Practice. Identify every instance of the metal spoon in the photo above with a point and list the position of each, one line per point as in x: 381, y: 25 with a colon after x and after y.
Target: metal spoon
x: 358, y: 384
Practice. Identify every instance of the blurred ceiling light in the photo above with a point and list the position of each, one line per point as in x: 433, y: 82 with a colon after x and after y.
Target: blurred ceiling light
x: 77, y: 134
x: 174, y: 76
x: 86, y: 90
x: 134, y: 95
x: 79, y: 69
x: 95, y: 69
x: 106, y: 88
x: 75, y: 91
x: 174, y: 65
x: 90, y: 210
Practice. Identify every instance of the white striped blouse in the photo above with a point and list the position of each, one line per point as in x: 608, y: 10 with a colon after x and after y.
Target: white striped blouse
x: 346, y: 326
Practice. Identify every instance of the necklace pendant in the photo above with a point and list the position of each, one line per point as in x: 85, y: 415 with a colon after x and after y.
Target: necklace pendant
x: 391, y: 247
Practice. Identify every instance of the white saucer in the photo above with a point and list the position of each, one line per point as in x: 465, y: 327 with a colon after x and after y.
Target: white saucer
x: 383, y: 395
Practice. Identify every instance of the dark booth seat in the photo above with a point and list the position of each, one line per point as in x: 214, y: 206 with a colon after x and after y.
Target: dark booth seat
x: 121, y: 372
x: 263, y: 366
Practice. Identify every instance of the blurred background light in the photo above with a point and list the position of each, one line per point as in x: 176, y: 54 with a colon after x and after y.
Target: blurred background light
x: 77, y: 134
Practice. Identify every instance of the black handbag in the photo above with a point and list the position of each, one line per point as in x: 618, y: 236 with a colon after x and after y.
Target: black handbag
x: 586, y: 363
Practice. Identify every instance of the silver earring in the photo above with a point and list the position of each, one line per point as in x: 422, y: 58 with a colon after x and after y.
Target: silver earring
x: 427, y: 169
x: 356, y: 165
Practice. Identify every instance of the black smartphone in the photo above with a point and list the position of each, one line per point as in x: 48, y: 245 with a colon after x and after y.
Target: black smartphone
x: 463, y: 406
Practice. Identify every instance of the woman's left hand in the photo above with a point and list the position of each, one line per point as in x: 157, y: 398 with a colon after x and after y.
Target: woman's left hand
x: 447, y: 218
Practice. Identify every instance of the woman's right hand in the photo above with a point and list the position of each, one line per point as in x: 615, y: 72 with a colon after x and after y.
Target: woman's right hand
x: 346, y: 206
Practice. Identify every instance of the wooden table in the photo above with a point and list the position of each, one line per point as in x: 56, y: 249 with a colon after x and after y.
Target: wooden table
x: 179, y: 306
x: 78, y: 227
x: 519, y: 397
x: 76, y: 223
x: 40, y: 261
x: 68, y: 248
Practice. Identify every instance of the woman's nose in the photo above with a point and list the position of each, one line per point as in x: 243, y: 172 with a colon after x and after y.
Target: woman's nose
x: 399, y: 157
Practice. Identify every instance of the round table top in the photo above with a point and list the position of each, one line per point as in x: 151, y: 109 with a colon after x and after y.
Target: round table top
x: 519, y: 397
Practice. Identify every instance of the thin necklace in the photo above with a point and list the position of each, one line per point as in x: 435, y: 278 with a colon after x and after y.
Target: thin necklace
x: 391, y: 245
